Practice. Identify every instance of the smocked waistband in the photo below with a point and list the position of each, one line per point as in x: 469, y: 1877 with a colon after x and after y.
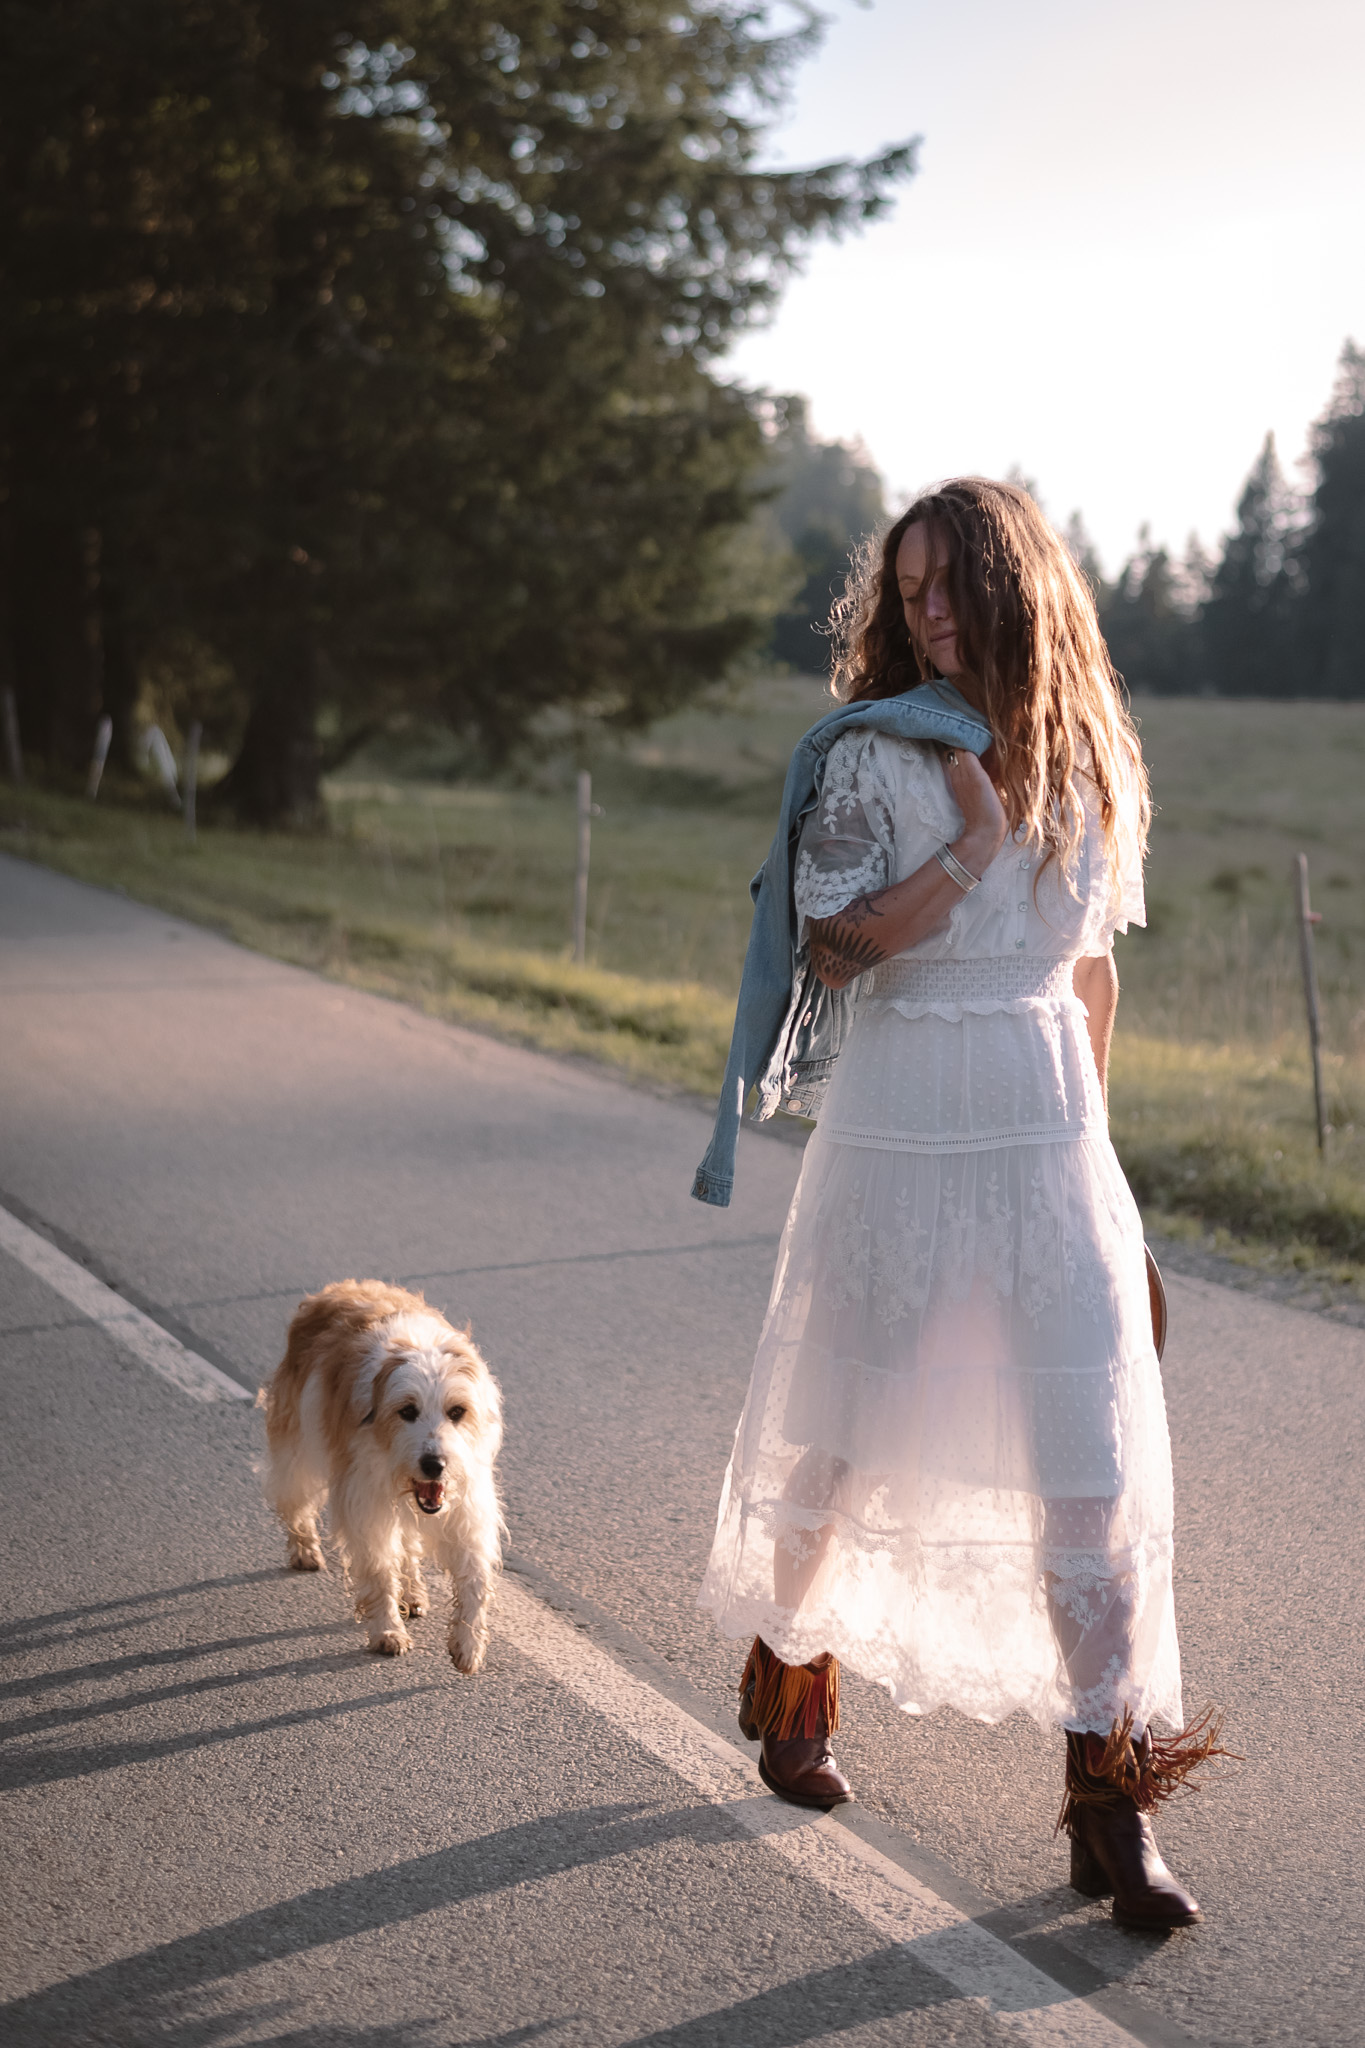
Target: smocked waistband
x: 1006, y: 979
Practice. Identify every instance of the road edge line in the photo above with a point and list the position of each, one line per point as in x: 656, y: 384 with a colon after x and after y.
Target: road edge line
x: 1024, y: 1999
x: 131, y: 1328
x: 1051, y: 1955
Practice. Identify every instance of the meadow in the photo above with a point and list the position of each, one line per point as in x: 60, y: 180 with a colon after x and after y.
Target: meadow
x: 457, y: 897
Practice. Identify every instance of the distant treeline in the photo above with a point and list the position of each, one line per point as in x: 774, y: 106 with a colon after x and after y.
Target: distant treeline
x: 1279, y: 613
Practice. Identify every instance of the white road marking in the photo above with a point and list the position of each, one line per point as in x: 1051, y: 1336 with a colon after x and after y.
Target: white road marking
x: 1024, y: 2004
x: 128, y: 1326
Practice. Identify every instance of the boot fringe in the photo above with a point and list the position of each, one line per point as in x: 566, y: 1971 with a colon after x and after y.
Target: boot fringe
x: 1144, y: 1774
x: 788, y: 1700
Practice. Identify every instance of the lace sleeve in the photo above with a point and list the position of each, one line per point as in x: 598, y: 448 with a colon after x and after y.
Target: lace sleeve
x: 1128, y: 900
x: 845, y: 847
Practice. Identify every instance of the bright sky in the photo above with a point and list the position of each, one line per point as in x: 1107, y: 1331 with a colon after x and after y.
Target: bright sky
x: 1135, y: 244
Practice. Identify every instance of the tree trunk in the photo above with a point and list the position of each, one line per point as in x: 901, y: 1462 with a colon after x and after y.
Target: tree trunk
x: 275, y: 782
x: 58, y: 648
x: 8, y: 673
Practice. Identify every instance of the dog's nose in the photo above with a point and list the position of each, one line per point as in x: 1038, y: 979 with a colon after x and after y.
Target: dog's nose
x: 433, y: 1466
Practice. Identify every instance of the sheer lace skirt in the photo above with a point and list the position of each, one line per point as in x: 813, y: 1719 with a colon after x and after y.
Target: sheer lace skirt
x: 953, y: 1466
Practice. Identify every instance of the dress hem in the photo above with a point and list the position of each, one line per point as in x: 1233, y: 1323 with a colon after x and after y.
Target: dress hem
x: 1051, y: 1719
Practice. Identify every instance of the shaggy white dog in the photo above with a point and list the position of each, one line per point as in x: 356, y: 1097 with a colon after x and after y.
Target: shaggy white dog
x: 383, y: 1409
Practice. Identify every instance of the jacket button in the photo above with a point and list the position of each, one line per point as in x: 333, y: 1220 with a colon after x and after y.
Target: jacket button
x: 1018, y: 944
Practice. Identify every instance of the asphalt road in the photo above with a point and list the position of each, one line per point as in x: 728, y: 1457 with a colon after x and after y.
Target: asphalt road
x: 224, y: 1823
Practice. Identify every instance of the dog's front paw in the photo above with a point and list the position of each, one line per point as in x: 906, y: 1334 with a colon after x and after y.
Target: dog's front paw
x: 392, y: 1643
x: 468, y: 1647
x: 306, y: 1557
x: 413, y: 1605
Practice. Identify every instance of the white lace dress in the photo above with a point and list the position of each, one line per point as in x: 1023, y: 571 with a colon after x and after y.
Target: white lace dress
x: 953, y: 1466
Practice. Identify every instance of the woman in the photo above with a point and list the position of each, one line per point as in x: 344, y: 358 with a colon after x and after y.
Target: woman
x: 953, y: 1469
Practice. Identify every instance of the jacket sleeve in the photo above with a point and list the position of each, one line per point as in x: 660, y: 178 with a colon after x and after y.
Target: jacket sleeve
x: 764, y: 997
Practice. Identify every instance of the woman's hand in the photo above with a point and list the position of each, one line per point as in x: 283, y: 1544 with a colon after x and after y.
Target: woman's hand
x: 984, y: 822
x: 878, y: 926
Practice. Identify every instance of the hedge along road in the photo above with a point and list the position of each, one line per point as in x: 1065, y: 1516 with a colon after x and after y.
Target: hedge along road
x: 226, y: 1823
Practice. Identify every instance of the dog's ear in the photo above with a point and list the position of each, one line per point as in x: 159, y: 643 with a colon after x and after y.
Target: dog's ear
x: 378, y: 1385
x: 460, y: 1346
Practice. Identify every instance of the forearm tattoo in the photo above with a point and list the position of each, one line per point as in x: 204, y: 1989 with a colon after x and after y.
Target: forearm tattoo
x: 846, y: 945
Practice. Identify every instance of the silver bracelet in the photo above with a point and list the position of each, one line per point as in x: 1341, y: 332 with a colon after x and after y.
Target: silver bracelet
x: 952, y: 866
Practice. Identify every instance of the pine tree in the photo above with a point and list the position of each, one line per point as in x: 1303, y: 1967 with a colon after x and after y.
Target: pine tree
x: 1245, y: 621
x: 370, y: 352
x: 1331, y: 554
x: 829, y: 497
x: 1147, y: 616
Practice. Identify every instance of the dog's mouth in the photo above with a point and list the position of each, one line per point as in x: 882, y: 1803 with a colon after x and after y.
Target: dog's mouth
x: 429, y: 1495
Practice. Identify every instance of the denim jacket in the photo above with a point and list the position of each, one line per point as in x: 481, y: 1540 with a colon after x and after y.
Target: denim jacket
x: 788, y: 1025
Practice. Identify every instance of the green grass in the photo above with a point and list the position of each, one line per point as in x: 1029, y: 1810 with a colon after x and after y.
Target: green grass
x: 458, y: 899
x: 1223, y: 1137
x: 378, y: 907
x: 1240, y: 789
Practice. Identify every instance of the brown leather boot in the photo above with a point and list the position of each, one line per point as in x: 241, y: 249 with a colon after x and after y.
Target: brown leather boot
x: 1114, y: 1854
x: 794, y: 1709
x: 1112, y: 1786
x: 803, y: 1772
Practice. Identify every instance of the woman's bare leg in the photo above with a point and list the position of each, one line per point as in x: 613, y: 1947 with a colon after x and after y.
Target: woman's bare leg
x: 1091, y: 1610
x: 816, y: 1482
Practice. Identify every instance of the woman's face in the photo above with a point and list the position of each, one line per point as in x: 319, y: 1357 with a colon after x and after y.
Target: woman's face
x: 923, y: 586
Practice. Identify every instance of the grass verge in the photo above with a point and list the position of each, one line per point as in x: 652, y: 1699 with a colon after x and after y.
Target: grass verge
x: 456, y: 900
x: 1218, y: 1141
x: 325, y: 904
x: 670, y: 1033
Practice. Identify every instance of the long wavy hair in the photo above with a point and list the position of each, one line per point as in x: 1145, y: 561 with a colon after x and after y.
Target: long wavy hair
x: 1028, y: 634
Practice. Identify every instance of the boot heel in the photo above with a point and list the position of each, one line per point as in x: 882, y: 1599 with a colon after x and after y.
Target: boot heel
x: 1087, y: 1872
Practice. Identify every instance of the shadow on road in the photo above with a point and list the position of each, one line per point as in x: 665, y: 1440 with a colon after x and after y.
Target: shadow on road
x: 148, y: 1660
x: 889, y: 1982
x: 20, y: 1633
x: 141, y: 1999
x: 159, y: 1695
x: 49, y: 1767
x: 165, y: 1998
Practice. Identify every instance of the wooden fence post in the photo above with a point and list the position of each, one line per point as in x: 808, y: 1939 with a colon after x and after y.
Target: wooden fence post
x: 580, y: 880
x: 1308, y: 917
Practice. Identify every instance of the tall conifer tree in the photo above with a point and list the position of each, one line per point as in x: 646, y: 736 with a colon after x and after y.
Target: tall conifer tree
x: 1332, y: 553
x: 370, y: 350
x: 1244, y: 623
